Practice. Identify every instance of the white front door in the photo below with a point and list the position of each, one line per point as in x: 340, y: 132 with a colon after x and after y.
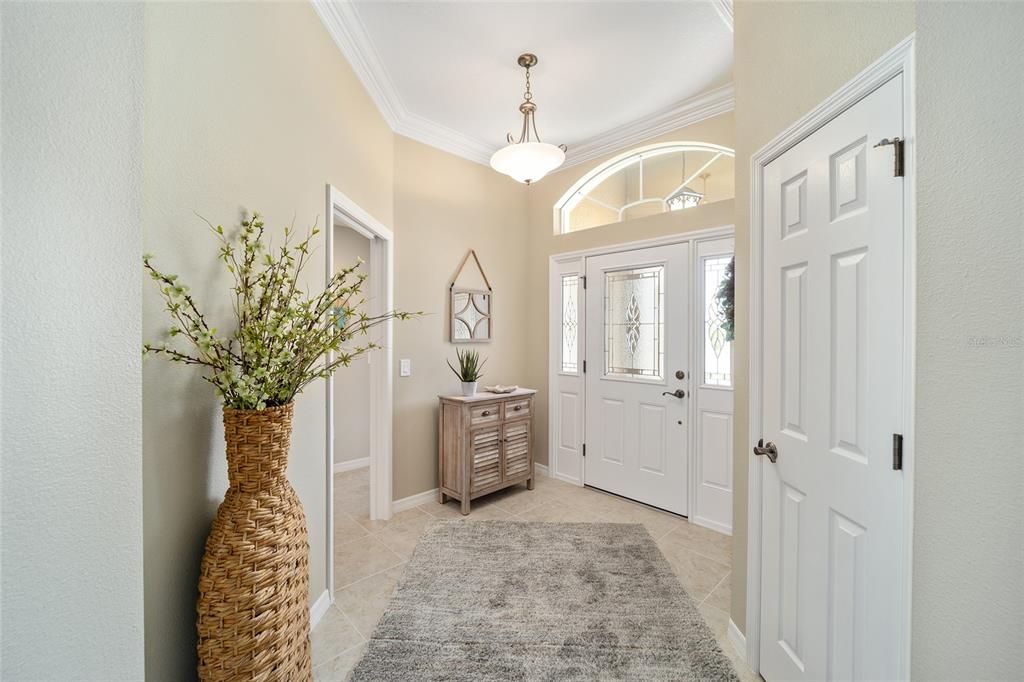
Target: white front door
x: 832, y: 526
x: 637, y: 341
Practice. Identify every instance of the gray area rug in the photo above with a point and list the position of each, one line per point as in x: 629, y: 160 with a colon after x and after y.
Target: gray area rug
x: 503, y: 600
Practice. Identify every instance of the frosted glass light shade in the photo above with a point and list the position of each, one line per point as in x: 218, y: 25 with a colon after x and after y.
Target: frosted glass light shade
x: 527, y: 161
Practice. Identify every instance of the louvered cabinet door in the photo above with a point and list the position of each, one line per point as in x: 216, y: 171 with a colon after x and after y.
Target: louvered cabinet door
x: 485, y: 445
x: 516, y: 436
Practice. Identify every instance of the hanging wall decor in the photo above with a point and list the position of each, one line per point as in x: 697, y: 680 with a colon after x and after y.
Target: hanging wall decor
x: 471, y: 308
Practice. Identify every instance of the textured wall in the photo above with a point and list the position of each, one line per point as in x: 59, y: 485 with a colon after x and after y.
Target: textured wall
x: 789, y: 56
x: 968, y: 611
x: 71, y: 561
x: 248, y: 106
x: 445, y: 206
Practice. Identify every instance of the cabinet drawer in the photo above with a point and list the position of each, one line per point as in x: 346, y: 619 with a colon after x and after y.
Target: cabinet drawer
x: 515, y: 409
x: 481, y: 415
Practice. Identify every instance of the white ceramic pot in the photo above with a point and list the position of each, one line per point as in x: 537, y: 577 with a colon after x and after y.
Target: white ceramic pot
x: 469, y: 388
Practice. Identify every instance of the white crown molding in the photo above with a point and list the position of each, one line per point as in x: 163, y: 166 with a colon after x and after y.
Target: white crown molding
x: 721, y: 100
x: 343, y: 24
x: 724, y: 9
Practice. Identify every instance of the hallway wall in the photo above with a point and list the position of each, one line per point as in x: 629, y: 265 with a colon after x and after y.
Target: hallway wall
x: 444, y: 206
x: 352, y: 384
x: 248, y: 107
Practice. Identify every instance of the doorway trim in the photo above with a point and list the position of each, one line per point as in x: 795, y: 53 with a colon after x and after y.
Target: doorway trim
x: 897, y: 61
x: 379, y: 301
x: 556, y: 267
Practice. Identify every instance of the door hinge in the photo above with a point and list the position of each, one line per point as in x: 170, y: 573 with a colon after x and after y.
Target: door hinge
x: 584, y: 366
x: 897, y: 451
x: 897, y: 150
x: 584, y: 280
x: 584, y: 449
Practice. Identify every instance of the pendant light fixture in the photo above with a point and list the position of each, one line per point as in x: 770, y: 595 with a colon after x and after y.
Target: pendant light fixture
x: 528, y: 159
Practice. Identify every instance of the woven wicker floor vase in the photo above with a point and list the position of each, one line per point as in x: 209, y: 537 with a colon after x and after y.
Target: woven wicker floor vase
x: 253, y: 611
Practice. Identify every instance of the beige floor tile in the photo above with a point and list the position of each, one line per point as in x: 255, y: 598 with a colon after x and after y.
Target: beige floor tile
x: 721, y: 596
x: 347, y: 503
x: 479, y: 511
x: 365, y: 601
x: 518, y: 499
x: 698, y: 574
x: 712, y: 544
x: 333, y: 635
x: 401, y: 538
x: 338, y: 668
x: 716, y: 619
x: 361, y: 558
x: 363, y: 519
x: 562, y: 512
x: 346, y: 530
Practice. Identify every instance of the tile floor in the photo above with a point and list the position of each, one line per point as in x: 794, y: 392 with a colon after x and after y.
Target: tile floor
x: 370, y: 555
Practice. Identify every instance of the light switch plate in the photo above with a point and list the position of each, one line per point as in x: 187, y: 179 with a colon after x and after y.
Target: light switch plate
x: 405, y: 367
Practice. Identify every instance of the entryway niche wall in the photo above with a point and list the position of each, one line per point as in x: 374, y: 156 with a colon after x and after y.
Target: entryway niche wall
x: 351, y: 411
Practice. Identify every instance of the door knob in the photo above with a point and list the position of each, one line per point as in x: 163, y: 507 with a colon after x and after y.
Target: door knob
x: 767, y: 449
x: 678, y: 393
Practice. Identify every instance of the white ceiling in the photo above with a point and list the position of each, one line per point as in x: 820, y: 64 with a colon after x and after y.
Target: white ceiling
x: 610, y: 73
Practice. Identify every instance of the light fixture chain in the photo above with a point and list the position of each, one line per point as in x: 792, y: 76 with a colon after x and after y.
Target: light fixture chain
x: 528, y: 95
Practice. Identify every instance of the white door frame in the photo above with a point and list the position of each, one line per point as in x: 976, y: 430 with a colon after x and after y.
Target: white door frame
x: 898, y: 60
x: 379, y: 301
x: 555, y: 271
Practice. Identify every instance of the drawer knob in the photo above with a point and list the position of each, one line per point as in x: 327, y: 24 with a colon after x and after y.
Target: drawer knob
x: 485, y: 413
x: 518, y: 407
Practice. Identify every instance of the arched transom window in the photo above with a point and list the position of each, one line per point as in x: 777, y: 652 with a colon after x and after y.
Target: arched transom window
x: 670, y: 176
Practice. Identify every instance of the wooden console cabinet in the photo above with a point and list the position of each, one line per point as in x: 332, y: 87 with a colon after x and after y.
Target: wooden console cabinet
x: 484, y: 444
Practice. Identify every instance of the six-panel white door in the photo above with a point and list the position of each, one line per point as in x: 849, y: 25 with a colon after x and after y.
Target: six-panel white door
x: 832, y: 538
x: 637, y: 339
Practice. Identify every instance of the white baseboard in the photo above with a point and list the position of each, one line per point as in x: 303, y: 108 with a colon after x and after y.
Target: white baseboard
x: 713, y: 525
x: 739, y: 641
x: 319, y: 608
x: 567, y: 479
x: 413, y: 501
x: 541, y: 469
x: 351, y: 464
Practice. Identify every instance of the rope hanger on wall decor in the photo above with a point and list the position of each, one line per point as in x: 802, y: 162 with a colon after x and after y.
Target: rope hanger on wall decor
x: 471, y: 252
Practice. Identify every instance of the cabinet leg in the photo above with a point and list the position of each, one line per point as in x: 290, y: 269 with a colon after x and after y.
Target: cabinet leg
x: 465, y: 505
x: 529, y: 483
x: 441, y: 497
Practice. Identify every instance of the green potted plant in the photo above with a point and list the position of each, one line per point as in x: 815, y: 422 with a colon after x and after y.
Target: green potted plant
x: 253, y: 608
x: 469, y: 371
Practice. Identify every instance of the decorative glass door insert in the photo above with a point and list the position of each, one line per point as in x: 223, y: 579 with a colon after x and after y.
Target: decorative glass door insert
x: 717, y: 347
x: 570, y: 323
x: 635, y: 322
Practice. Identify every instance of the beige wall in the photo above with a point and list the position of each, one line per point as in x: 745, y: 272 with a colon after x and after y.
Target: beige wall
x: 543, y: 242
x: 789, y: 56
x: 236, y: 118
x: 351, y: 386
x: 445, y: 205
x: 968, y: 610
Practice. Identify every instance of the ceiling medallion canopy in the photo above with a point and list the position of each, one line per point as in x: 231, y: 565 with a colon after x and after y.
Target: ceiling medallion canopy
x: 528, y: 159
